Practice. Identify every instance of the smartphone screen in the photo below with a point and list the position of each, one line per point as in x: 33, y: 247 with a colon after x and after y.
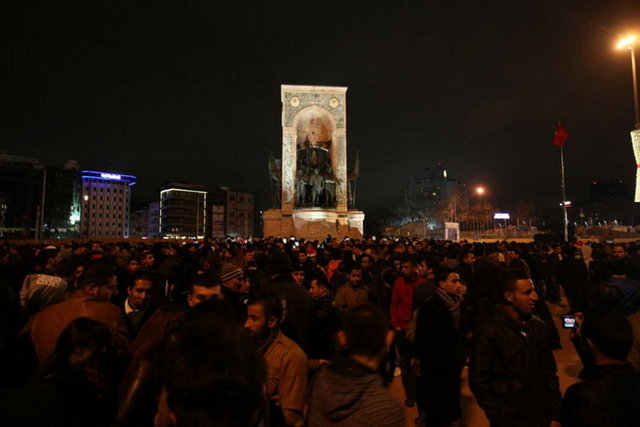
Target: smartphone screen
x: 568, y: 322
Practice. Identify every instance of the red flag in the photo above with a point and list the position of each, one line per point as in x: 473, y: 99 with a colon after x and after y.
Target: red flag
x: 560, y: 135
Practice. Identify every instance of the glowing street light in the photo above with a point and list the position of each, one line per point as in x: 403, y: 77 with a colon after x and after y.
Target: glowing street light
x: 629, y: 43
x: 480, y: 190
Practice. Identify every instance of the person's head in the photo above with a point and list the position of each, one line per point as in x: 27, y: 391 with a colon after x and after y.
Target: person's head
x: 449, y: 281
x: 366, y: 261
x: 279, y: 264
x: 607, y: 334
x: 618, y: 267
x: 83, y: 346
x: 147, y: 259
x: 492, y: 255
x: 518, y: 292
x: 98, y: 278
x: 302, y: 256
x: 319, y: 287
x: 298, y: 274
x: 213, y: 374
x: 354, y: 275
x: 619, y: 251
x: 232, y: 277
x: 599, y: 269
x: 407, y: 267
x: 250, y: 255
x: 46, y: 260
x: 365, y: 331
x: 134, y: 265
x: 140, y: 291
x: 468, y: 258
x: 264, y: 313
x: 203, y: 289
x: 514, y: 253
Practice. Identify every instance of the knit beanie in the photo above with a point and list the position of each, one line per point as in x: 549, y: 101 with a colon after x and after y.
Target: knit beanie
x: 229, y: 271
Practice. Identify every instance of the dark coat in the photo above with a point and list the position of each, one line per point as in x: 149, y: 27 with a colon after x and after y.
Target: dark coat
x: 512, y: 371
x: 325, y: 322
x: 139, y: 393
x: 439, y: 346
x: 609, y: 396
x: 349, y: 394
x: 487, y: 288
x: 298, y: 311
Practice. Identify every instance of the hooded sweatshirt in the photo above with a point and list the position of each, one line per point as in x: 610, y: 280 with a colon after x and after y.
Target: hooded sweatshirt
x: 350, y: 394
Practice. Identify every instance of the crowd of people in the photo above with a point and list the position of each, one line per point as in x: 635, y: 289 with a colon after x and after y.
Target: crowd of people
x: 287, y: 332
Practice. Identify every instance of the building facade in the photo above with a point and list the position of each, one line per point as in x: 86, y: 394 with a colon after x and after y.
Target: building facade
x: 21, y: 197
x: 106, y: 200
x: 183, y: 211
x: 232, y: 213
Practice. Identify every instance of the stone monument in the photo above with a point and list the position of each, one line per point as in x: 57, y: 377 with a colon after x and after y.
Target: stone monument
x: 313, y: 192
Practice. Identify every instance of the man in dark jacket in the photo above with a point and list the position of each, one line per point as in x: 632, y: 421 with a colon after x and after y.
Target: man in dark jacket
x: 349, y: 393
x: 512, y: 371
x: 610, y: 392
x: 298, y: 301
x: 324, y: 322
x: 439, y: 348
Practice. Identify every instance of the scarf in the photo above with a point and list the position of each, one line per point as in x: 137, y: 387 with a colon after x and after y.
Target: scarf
x: 453, y: 304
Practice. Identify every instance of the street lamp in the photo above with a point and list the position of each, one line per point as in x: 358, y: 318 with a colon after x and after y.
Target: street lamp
x: 630, y: 43
x: 481, y: 191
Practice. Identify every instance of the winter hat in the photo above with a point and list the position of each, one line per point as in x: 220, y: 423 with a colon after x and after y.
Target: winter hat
x: 229, y: 271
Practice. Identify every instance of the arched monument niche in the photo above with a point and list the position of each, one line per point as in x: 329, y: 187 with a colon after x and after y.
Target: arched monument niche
x: 315, y: 174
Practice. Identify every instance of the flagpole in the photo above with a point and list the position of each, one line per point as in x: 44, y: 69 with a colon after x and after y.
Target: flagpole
x: 564, y: 196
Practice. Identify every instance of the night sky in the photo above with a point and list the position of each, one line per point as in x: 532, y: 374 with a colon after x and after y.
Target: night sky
x: 168, y: 92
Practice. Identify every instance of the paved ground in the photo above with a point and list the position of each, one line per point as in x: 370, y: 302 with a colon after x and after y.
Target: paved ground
x: 569, y: 367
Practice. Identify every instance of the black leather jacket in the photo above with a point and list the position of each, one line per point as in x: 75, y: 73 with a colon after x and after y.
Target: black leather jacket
x: 609, y: 396
x: 138, y: 396
x: 512, y: 371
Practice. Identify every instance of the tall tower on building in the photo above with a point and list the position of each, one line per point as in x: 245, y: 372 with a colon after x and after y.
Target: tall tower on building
x: 106, y: 199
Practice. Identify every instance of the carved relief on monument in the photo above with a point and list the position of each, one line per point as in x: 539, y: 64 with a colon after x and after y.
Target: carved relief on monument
x: 315, y: 180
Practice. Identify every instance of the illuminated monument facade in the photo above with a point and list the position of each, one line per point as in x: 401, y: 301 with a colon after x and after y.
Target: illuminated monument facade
x: 313, y: 192
x: 635, y: 142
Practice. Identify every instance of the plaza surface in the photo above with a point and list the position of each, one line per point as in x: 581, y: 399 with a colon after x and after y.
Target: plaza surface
x: 569, y: 367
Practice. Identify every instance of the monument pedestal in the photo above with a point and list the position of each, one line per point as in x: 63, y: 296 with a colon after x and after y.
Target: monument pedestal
x: 313, y: 223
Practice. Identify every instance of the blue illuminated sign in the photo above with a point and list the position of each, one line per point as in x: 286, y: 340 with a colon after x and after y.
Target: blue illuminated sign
x: 109, y: 176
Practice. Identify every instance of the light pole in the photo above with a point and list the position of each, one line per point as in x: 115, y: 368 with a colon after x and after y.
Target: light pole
x: 480, y: 191
x: 630, y: 43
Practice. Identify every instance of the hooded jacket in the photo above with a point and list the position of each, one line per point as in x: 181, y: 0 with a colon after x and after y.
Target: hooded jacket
x: 350, y: 394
